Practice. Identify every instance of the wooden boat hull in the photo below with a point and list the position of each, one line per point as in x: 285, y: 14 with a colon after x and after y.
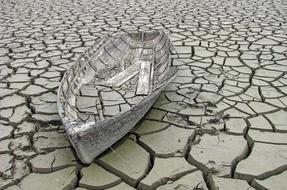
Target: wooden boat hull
x: 91, y: 133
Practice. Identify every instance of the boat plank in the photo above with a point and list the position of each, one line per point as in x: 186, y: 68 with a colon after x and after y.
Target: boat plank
x: 144, y: 81
x: 123, y: 76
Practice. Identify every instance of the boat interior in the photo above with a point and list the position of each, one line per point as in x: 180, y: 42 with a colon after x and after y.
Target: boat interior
x: 115, y: 75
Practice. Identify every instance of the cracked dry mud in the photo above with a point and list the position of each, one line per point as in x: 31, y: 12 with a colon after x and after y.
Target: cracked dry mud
x: 221, y: 124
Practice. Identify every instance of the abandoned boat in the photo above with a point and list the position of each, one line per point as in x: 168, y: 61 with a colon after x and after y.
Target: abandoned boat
x: 111, y: 87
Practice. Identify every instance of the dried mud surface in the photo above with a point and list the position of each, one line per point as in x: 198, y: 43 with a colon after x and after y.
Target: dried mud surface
x: 221, y: 124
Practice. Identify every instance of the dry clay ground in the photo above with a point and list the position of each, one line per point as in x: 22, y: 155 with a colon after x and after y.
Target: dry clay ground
x: 221, y: 124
